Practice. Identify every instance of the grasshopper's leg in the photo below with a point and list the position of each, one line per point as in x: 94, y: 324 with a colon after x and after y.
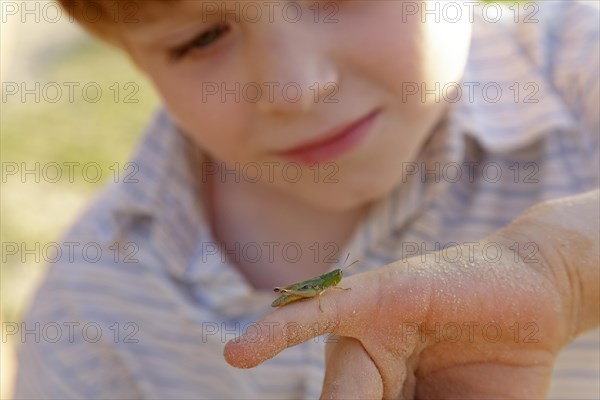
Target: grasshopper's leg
x: 339, y: 288
x: 331, y: 287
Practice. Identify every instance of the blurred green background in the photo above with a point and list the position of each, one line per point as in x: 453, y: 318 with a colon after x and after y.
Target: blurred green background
x: 68, y: 130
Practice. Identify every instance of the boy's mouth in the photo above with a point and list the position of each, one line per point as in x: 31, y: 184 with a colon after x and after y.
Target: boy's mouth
x: 333, y: 143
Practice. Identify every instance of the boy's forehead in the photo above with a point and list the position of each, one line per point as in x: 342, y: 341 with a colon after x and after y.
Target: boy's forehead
x: 156, y: 10
x: 153, y: 11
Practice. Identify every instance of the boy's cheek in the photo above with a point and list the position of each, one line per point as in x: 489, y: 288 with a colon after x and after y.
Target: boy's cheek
x: 221, y: 128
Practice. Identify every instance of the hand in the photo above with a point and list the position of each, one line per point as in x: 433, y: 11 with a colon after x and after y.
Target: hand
x: 473, y: 328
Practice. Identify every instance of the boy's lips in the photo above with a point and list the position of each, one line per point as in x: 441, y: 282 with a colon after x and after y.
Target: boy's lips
x: 332, y: 144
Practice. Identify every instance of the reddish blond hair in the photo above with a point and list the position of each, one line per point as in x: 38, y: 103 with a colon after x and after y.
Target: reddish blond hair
x: 105, y: 18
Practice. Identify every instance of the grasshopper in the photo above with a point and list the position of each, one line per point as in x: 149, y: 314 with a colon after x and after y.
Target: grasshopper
x: 310, y: 288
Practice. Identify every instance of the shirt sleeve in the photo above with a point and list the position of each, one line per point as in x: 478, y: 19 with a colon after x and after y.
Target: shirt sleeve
x: 65, y: 354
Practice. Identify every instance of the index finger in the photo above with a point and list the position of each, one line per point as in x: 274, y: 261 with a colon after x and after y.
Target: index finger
x: 299, y: 322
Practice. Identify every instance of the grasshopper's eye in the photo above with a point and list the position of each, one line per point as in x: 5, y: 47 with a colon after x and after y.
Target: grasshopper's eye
x: 305, y: 287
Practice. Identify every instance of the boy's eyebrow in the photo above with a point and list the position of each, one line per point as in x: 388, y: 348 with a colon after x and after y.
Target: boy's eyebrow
x: 154, y: 20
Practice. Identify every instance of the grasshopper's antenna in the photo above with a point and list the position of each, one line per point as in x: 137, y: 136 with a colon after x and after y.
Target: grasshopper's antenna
x: 346, y: 260
x: 347, y: 257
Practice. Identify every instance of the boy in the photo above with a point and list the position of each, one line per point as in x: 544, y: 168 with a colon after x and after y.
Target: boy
x: 296, y: 131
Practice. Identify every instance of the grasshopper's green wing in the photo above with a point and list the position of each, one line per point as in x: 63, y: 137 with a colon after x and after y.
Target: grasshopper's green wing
x: 308, y: 288
x: 312, y: 287
x: 285, y: 299
x: 310, y: 283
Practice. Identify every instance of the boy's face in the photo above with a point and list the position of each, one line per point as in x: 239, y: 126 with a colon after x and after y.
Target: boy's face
x: 254, y: 88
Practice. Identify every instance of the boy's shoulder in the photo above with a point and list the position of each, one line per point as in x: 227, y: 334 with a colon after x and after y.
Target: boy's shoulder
x: 531, y: 72
x: 562, y: 38
x: 110, y: 253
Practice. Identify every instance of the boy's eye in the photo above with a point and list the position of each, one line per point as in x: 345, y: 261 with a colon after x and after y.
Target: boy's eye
x: 202, y: 41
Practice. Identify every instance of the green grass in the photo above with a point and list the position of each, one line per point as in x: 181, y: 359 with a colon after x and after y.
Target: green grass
x: 80, y: 131
x: 104, y: 132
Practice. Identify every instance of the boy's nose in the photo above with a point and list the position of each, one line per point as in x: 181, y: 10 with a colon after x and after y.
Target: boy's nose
x: 298, y: 72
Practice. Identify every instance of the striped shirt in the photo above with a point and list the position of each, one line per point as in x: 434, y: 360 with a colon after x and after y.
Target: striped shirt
x: 149, y: 317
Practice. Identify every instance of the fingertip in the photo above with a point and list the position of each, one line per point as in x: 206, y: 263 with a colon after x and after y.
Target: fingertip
x: 251, y: 349
x: 278, y: 331
x: 237, y: 355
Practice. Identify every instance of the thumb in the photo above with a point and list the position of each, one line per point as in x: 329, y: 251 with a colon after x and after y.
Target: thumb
x: 350, y: 373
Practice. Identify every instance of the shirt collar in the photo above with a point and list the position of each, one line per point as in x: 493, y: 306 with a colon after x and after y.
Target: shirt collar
x: 162, y: 190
